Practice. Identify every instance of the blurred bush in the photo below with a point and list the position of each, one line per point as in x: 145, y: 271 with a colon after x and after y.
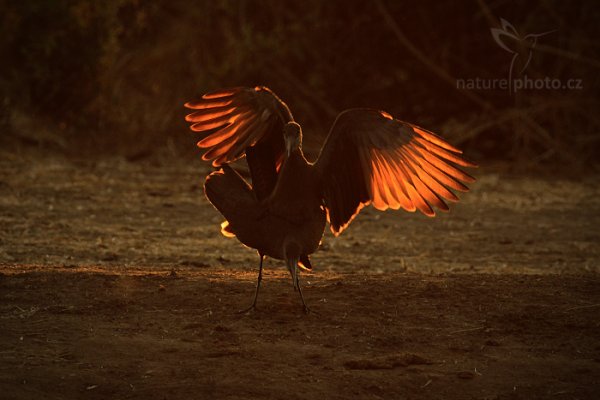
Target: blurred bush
x: 111, y: 76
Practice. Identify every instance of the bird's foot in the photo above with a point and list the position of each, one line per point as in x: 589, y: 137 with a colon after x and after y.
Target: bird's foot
x: 247, y: 310
x: 308, y: 310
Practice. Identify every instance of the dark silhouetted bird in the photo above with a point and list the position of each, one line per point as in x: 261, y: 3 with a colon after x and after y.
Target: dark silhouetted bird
x: 369, y: 158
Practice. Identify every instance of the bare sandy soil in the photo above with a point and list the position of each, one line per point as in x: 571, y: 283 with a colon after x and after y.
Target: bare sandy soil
x: 115, y: 283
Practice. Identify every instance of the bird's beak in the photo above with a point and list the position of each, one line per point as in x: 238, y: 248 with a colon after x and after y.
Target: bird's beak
x: 288, y: 147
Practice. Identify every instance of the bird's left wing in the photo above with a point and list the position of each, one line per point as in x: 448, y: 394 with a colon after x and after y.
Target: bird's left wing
x: 371, y: 158
x: 238, y: 118
x: 243, y: 121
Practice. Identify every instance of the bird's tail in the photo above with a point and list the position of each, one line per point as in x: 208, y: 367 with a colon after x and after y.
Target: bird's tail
x: 304, y: 263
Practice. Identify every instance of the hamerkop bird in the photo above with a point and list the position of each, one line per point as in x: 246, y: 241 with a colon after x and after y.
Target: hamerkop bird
x: 369, y: 158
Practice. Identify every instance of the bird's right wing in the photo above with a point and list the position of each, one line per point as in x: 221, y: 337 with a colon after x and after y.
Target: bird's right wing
x: 371, y: 158
x: 243, y: 121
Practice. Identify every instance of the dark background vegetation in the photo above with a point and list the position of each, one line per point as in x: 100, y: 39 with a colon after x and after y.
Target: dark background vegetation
x: 87, y: 77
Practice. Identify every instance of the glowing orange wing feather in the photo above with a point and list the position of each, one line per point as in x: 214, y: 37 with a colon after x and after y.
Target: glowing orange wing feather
x: 236, y: 119
x: 389, y: 164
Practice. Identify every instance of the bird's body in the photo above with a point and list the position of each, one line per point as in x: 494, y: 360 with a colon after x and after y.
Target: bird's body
x: 297, y: 194
x: 274, y: 227
x: 368, y: 158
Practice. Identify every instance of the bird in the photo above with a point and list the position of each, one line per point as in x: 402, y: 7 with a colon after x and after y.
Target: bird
x: 369, y: 158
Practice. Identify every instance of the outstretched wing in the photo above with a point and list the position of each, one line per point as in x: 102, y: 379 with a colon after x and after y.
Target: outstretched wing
x: 371, y: 158
x: 243, y: 121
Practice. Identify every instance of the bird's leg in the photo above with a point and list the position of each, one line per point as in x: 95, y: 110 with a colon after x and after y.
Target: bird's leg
x: 306, y: 309
x: 293, y: 268
x: 253, y: 305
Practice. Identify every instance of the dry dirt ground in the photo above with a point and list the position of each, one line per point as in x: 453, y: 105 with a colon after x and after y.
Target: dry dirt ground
x: 115, y: 284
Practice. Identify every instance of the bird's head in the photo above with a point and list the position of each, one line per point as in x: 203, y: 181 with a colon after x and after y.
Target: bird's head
x: 292, y: 136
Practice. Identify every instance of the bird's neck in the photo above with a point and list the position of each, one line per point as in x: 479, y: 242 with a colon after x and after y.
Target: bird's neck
x: 296, y: 192
x: 293, y: 172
